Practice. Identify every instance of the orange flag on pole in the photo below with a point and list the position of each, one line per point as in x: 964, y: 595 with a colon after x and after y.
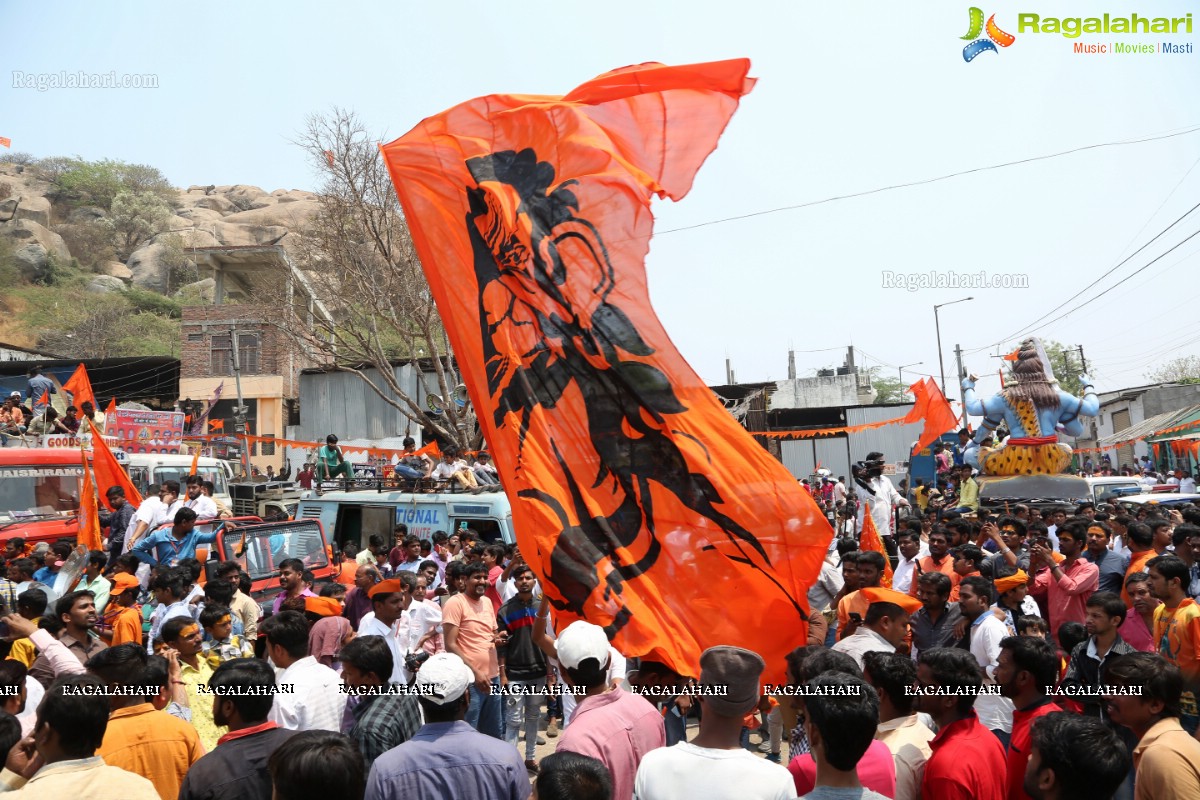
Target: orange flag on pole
x: 89, y: 512
x: 432, y: 450
x: 216, y: 424
x: 932, y: 407
x: 44, y: 400
x: 80, y: 387
x: 195, y: 461
x: 1014, y: 355
x: 5, y: 141
x: 109, y: 472
x: 639, y: 501
x: 112, y: 406
x: 868, y: 539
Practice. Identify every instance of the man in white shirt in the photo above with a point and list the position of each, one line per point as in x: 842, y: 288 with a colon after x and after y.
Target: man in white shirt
x: 310, y: 696
x: 153, y: 511
x: 876, y: 492
x: 204, y: 506
x: 911, y: 549
x: 1187, y: 484
x: 387, y: 604
x: 452, y: 467
x: 884, y: 627
x: 986, y: 631
x: 713, y: 765
x: 839, y: 492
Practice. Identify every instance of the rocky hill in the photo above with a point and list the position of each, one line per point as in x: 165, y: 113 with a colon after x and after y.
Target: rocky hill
x: 116, y: 239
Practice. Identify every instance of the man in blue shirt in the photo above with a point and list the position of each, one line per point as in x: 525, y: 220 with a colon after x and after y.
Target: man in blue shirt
x: 447, y: 757
x: 39, y: 385
x: 169, y: 547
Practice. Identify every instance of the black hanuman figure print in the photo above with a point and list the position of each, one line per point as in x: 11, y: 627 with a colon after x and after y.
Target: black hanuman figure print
x: 538, y: 340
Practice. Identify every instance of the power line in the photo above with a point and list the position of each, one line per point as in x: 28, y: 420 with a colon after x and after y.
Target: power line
x: 948, y: 176
x: 1030, y: 328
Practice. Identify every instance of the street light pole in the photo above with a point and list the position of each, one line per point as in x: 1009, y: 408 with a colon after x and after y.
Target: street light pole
x: 901, y: 375
x: 938, y: 327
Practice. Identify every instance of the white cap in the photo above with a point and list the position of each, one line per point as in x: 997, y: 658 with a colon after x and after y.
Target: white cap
x: 444, y: 678
x: 581, y: 641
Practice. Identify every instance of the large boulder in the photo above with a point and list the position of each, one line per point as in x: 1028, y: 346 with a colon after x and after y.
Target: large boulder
x: 221, y: 205
x: 146, y: 266
x: 85, y: 214
x: 105, y: 284
x: 205, y: 289
x: 33, y: 246
x: 231, y: 235
x: 34, y: 208
x: 293, y: 215
x: 248, y: 197
x: 115, y: 269
x: 8, y: 209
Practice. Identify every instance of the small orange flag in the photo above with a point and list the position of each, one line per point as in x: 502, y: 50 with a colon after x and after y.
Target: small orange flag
x: 933, y: 407
x: 195, y: 461
x: 89, y: 513
x: 432, y: 450
x: 5, y: 141
x: 1014, y: 355
x: 112, y: 406
x: 109, y: 472
x: 80, y: 387
x: 216, y: 424
x: 868, y: 539
x: 44, y: 400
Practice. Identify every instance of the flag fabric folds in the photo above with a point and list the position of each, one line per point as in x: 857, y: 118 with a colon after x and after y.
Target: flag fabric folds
x: 640, y: 502
x: 80, y: 387
x: 216, y: 424
x: 868, y: 539
x: 112, y: 406
x: 89, y: 511
x: 109, y: 472
x: 931, y: 406
x: 5, y: 141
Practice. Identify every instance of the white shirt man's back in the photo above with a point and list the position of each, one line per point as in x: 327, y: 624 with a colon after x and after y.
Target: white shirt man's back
x: 315, y: 701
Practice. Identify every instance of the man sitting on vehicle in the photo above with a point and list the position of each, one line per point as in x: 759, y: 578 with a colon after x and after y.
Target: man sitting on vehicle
x: 331, y: 463
x: 452, y: 467
x: 413, y: 465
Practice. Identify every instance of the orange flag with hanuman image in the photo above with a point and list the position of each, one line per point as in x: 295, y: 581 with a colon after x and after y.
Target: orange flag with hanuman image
x: 637, y: 498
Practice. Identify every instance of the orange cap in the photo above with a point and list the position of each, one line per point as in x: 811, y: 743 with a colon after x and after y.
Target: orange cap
x: 1018, y: 578
x: 325, y: 606
x: 878, y: 594
x: 123, y: 582
x: 390, y: 586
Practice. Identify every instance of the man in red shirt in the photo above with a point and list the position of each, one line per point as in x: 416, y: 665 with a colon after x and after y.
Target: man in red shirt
x: 1066, y: 585
x: 1028, y: 668
x: 968, y: 759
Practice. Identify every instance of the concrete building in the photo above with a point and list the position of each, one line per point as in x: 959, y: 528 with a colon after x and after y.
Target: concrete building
x: 1126, y: 408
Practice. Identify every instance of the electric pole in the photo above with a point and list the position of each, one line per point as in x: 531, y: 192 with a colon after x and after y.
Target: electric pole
x: 239, y: 413
x: 962, y: 398
x: 1082, y: 360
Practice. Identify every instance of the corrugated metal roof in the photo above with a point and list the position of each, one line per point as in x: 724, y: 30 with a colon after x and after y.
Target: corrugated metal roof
x: 1155, y: 423
x: 343, y: 404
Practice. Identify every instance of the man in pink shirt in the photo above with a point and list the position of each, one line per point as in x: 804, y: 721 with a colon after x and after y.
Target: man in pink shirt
x: 609, y: 724
x: 1066, y: 585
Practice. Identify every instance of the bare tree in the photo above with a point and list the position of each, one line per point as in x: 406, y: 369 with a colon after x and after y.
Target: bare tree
x: 358, y: 256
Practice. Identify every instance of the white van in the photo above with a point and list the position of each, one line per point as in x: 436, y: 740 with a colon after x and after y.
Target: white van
x: 353, y: 516
x: 1103, y: 486
x: 151, y: 468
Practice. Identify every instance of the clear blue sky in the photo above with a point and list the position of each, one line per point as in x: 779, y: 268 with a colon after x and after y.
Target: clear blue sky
x: 851, y: 97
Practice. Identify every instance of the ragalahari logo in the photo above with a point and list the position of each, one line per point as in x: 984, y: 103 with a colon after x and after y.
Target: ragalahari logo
x: 994, y: 37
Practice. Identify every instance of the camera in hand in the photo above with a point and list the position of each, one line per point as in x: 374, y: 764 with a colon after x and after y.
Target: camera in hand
x: 871, y: 468
x: 413, y: 661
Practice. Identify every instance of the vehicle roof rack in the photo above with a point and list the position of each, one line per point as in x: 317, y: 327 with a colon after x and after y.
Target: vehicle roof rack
x: 410, y: 485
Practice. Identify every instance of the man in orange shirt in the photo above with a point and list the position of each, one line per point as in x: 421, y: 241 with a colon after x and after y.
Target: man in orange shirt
x: 967, y: 559
x: 870, y: 567
x: 123, y: 616
x: 938, y: 560
x: 1177, y: 630
x: 1141, y: 550
x: 146, y: 742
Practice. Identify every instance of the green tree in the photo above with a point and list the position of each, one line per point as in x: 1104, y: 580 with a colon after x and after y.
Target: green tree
x: 1064, y: 362
x: 889, y: 390
x: 98, y: 183
x: 134, y: 219
x: 1185, y: 369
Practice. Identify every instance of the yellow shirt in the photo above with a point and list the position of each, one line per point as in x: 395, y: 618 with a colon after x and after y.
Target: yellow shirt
x: 201, y: 704
x: 24, y: 651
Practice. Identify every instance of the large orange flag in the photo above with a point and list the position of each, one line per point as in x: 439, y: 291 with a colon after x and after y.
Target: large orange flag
x: 89, y: 513
x: 868, y: 539
x: 932, y: 407
x: 80, y: 387
x: 636, y: 496
x: 109, y: 472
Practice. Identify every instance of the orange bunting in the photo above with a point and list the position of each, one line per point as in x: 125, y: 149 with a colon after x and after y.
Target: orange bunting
x: 80, y: 387
x: 109, y: 473
x: 632, y: 486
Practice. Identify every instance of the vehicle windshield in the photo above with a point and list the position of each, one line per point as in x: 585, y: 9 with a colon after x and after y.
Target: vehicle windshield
x: 30, y: 491
x: 268, y: 545
x: 214, y: 474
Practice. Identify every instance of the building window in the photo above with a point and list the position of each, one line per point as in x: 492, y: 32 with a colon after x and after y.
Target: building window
x: 249, y: 354
x: 195, y: 337
x: 222, y: 357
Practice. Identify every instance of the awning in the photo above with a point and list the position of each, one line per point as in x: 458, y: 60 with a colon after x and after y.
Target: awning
x: 1159, y: 422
